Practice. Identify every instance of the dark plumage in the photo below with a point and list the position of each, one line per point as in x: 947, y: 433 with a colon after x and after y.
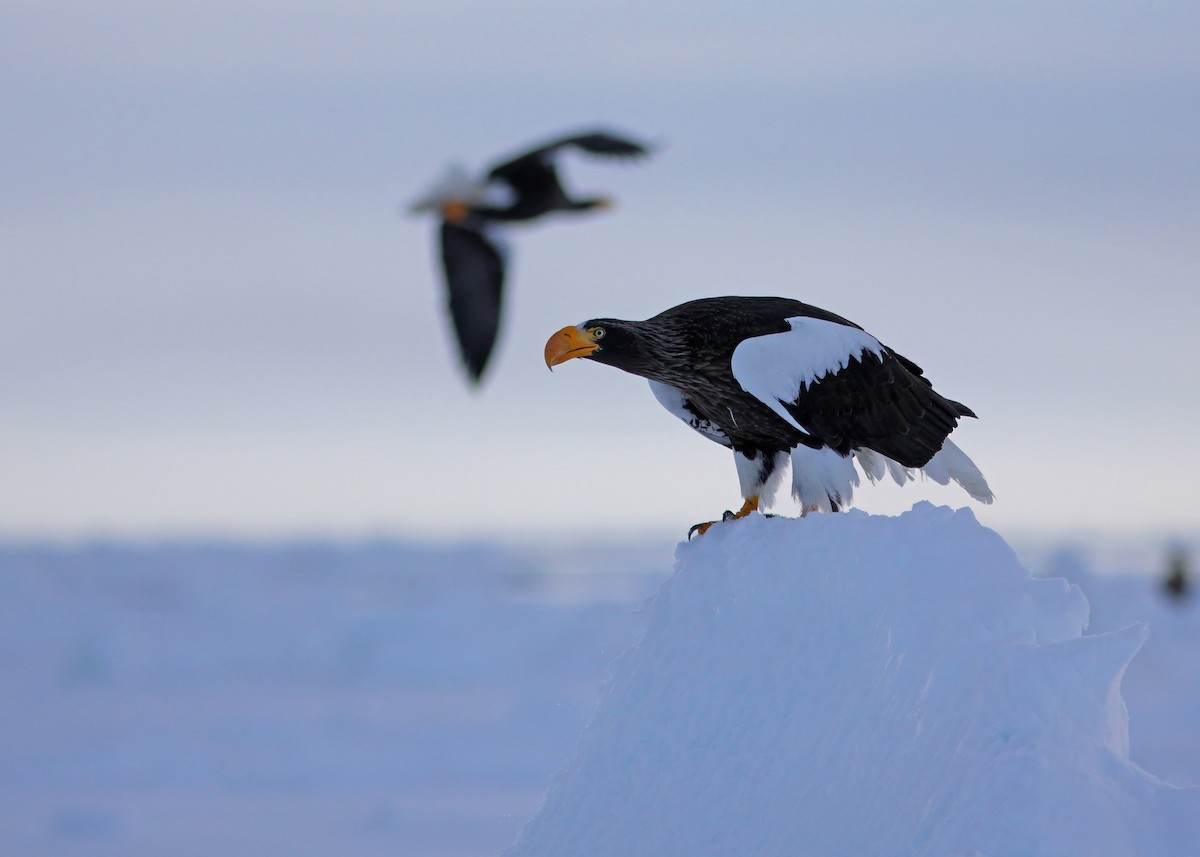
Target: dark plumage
x: 773, y: 378
x: 475, y: 278
x: 1177, y: 583
x: 533, y: 177
x: 473, y: 257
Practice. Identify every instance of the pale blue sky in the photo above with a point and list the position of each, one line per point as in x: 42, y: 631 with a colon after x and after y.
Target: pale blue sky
x: 217, y: 321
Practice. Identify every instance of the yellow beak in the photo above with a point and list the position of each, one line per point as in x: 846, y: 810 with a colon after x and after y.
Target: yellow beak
x: 567, y: 343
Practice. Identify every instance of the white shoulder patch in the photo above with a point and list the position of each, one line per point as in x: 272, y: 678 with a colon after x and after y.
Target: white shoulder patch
x: 776, y: 367
x: 672, y: 398
x: 497, y: 194
x: 497, y: 236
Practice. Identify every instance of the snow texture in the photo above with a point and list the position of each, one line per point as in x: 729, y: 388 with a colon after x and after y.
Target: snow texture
x: 313, y: 699
x: 854, y: 684
x: 305, y: 700
x: 1162, y: 686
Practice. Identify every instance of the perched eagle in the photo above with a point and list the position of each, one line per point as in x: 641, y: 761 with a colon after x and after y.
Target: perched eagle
x: 773, y: 379
x: 473, y: 211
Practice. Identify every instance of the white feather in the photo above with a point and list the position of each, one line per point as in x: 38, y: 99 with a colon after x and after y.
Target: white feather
x: 822, y: 475
x: 456, y: 184
x: 876, y: 465
x: 871, y: 463
x: 498, y: 236
x: 750, y: 479
x: 900, y: 473
x: 497, y: 194
x: 776, y: 367
x: 672, y: 398
x: 952, y: 464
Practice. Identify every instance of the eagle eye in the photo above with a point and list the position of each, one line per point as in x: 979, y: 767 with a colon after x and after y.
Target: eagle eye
x: 597, y: 333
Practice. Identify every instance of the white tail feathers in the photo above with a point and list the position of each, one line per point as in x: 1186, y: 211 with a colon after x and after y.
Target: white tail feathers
x: 876, y: 466
x: 821, y: 477
x: 951, y: 463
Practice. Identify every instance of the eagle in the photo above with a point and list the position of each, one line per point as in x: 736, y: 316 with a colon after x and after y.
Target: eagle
x: 473, y: 212
x: 779, y: 381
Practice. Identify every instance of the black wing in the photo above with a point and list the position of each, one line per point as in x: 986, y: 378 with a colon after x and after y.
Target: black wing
x: 883, y: 404
x: 536, y: 166
x: 474, y: 270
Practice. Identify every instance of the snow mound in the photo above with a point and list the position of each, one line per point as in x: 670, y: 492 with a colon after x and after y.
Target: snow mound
x: 1161, y: 688
x: 856, y: 684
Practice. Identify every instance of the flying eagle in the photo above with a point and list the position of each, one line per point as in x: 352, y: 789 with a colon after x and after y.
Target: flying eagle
x: 473, y: 211
x: 773, y: 379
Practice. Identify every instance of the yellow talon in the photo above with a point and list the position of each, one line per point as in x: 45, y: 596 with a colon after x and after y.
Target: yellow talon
x: 749, y: 506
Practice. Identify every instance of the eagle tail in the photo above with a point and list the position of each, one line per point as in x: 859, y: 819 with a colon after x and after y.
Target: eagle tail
x: 949, y: 464
x: 952, y: 464
x: 823, y: 480
x: 876, y: 466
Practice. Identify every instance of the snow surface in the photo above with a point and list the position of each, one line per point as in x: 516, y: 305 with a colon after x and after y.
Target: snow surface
x: 855, y: 684
x: 307, y: 700
x: 1162, y: 686
x: 318, y: 699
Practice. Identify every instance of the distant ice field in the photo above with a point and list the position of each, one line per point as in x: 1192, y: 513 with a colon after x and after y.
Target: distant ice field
x: 378, y: 698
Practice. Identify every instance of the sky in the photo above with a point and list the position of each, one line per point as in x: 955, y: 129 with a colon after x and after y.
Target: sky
x: 220, y: 321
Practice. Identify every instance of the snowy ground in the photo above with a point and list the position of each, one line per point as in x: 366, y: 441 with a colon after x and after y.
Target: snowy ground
x: 858, y: 684
x: 379, y: 699
x: 301, y: 700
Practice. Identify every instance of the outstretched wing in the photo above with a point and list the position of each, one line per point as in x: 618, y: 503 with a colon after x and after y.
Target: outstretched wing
x: 474, y: 268
x: 839, y: 385
x: 602, y: 143
x: 537, y: 165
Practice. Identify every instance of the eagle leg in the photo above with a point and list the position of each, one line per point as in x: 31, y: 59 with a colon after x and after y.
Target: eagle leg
x: 749, y: 506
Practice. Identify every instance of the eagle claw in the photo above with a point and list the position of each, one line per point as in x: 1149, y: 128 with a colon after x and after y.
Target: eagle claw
x: 701, y: 529
x: 749, y: 506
